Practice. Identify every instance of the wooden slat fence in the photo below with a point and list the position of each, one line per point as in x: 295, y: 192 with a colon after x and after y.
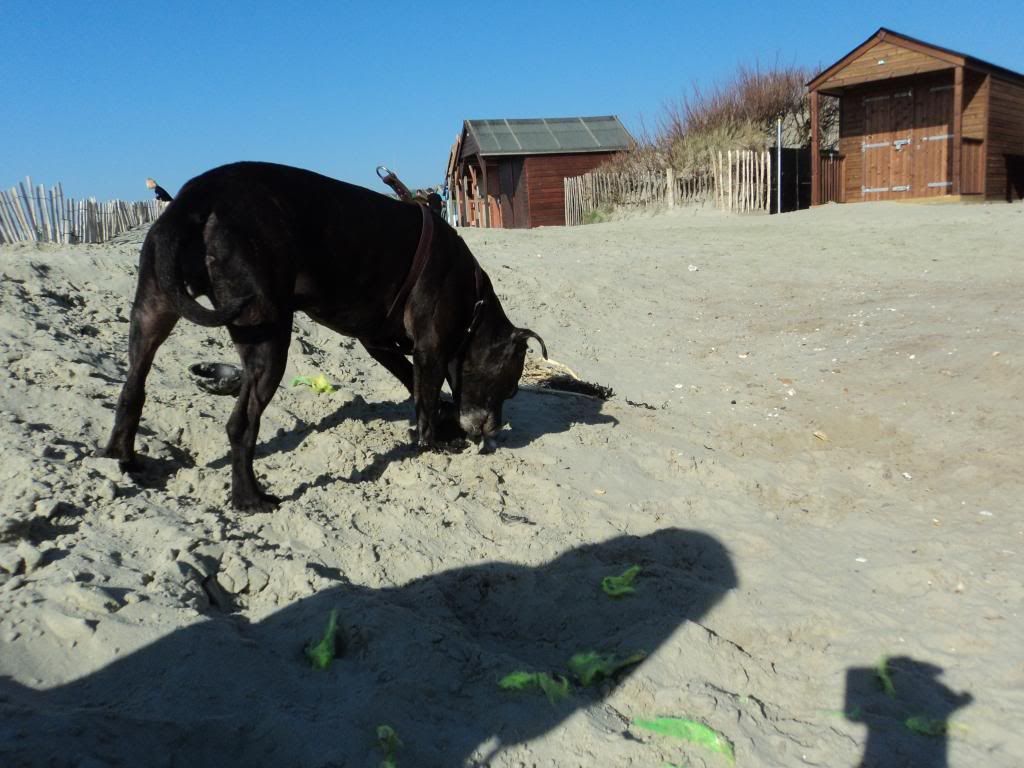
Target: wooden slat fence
x: 743, y: 180
x: 832, y: 178
x: 34, y: 214
x: 733, y: 181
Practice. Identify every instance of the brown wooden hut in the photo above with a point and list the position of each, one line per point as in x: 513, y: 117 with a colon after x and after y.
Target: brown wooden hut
x: 918, y: 121
x: 510, y: 173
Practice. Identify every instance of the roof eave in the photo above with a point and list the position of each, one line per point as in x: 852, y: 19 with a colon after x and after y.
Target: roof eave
x: 953, y: 58
x: 533, y: 153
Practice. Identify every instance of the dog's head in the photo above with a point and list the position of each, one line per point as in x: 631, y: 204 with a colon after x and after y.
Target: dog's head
x: 490, y: 375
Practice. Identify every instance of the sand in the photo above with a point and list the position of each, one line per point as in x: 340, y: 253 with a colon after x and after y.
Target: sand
x: 814, y: 453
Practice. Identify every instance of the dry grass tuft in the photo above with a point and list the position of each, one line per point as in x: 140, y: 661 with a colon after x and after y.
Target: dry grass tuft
x: 738, y: 114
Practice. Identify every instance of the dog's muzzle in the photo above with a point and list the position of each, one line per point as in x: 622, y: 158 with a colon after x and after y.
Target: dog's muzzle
x: 481, y: 427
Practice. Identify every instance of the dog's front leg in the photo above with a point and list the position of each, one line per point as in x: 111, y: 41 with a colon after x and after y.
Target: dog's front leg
x: 428, y: 375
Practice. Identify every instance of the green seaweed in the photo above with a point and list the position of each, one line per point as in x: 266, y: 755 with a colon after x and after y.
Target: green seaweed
x: 691, y: 731
x: 619, y: 586
x: 591, y: 667
x: 884, y: 676
x: 318, y: 383
x: 926, y: 726
x: 322, y: 653
x: 555, y: 687
x: 388, y: 741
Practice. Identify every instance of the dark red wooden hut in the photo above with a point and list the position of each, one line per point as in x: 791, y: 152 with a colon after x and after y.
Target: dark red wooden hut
x: 510, y: 173
x: 919, y: 121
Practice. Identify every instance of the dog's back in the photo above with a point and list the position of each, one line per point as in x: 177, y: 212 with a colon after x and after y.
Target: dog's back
x: 261, y: 233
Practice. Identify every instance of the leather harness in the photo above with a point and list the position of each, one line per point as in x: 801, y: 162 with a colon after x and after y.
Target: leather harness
x: 419, y: 263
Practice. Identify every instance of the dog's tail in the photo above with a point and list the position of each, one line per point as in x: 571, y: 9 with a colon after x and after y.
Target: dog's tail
x: 170, y: 246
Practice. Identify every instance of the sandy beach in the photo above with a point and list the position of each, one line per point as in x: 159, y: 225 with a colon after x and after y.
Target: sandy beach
x: 814, y: 454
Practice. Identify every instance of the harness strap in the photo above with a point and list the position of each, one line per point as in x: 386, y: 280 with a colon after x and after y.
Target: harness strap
x: 474, y: 321
x: 419, y: 262
x: 477, y: 309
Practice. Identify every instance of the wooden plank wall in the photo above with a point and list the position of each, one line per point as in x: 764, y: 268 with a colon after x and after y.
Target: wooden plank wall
x: 495, y: 215
x: 931, y: 117
x: 512, y: 194
x: 1005, y: 133
x: 972, y: 168
x: 851, y: 135
x: 933, y: 160
x: 976, y: 87
x: 545, y: 176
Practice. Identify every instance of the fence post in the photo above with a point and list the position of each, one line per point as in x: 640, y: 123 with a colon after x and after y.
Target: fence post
x: 729, y: 158
x: 670, y: 187
x: 565, y: 197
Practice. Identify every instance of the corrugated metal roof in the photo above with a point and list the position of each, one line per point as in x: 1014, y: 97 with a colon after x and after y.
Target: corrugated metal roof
x: 549, y: 135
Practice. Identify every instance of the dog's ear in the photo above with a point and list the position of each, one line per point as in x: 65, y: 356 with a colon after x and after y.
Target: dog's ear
x: 522, y: 334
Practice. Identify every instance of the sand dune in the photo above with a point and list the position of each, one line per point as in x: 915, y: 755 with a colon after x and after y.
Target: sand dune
x: 814, y: 454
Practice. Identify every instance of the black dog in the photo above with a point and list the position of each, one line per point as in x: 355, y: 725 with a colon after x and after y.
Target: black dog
x: 263, y: 241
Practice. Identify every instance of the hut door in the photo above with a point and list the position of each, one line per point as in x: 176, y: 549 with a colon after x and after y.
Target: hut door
x: 934, y: 166
x: 505, y: 183
x: 889, y: 146
x: 513, y: 209
x: 901, y: 166
x: 877, y: 147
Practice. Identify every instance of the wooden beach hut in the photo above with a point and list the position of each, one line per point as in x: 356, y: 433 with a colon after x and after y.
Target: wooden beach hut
x: 918, y: 121
x: 509, y: 173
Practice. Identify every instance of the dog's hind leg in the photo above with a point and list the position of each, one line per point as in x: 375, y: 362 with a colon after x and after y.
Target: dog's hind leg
x: 264, y: 353
x: 152, y: 321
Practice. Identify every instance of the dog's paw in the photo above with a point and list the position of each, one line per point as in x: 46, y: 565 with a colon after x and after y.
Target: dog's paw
x: 261, y: 503
x: 427, y: 445
x: 129, y: 463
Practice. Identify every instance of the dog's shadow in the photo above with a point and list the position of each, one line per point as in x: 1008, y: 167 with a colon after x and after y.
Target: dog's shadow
x: 424, y: 658
x: 357, y: 409
x: 531, y: 415
x: 534, y: 413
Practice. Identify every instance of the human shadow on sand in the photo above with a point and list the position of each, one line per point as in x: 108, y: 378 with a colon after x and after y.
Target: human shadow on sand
x: 908, y: 723
x: 424, y: 658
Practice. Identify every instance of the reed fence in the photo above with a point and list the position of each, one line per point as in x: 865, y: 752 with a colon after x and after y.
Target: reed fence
x: 737, y: 180
x: 35, y: 214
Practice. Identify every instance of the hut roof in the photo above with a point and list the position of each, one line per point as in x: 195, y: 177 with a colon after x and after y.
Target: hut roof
x: 540, y: 136
x: 949, y: 57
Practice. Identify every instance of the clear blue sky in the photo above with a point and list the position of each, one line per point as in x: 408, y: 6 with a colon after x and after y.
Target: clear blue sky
x: 99, y: 95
